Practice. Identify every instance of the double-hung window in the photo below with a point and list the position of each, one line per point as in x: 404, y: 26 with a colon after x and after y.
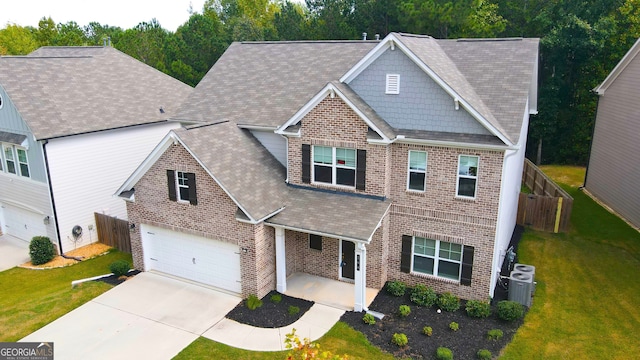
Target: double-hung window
x: 16, y: 161
x: 10, y: 160
x: 182, y: 186
x: 335, y: 166
x: 467, y: 176
x: 438, y: 258
x: 417, y: 171
x: 23, y: 162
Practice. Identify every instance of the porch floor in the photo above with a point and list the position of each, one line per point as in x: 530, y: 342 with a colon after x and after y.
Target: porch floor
x: 334, y: 293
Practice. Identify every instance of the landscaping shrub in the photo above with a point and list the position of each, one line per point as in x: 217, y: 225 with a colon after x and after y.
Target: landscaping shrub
x: 427, y: 330
x: 404, y: 310
x: 484, y: 354
x: 253, y: 302
x: 396, y: 288
x: 293, y: 310
x: 41, y: 250
x: 510, y: 310
x: 444, y: 353
x: 423, y: 296
x: 276, y: 298
x: 478, y: 309
x: 454, y: 326
x: 369, y: 319
x: 449, y: 302
x: 400, y: 339
x: 120, y: 267
x: 495, y: 334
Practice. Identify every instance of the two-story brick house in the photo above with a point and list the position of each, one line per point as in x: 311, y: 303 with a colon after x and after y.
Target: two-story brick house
x: 360, y: 161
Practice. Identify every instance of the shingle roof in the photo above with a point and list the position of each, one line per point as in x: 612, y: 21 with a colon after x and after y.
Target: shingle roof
x: 63, y: 91
x: 265, y: 83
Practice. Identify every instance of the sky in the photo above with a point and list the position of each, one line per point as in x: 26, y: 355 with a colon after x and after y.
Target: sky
x: 123, y: 13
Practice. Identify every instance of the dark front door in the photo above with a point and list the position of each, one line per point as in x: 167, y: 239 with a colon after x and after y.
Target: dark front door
x: 348, y: 259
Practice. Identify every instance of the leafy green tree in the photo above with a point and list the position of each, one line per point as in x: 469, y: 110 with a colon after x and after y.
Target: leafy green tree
x: 332, y: 19
x: 290, y: 22
x: 17, y: 40
x: 97, y: 34
x: 47, y: 31
x: 145, y: 42
x: 69, y: 34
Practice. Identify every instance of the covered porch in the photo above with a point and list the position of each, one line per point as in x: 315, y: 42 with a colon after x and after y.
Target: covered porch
x: 334, y: 293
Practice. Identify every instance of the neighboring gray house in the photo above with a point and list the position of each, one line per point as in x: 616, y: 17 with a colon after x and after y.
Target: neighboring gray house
x: 614, y: 162
x: 74, y: 122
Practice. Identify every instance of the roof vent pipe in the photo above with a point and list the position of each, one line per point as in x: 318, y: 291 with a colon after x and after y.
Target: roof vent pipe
x: 377, y: 36
x: 364, y: 36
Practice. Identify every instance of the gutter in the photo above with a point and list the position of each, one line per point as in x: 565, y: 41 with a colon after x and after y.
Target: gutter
x: 53, y: 202
x: 402, y: 139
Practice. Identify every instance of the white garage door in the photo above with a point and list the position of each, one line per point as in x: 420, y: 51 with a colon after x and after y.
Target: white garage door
x: 22, y: 223
x: 207, y: 261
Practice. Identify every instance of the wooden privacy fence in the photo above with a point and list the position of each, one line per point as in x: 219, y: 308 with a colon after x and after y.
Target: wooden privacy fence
x: 113, y: 232
x: 548, y: 208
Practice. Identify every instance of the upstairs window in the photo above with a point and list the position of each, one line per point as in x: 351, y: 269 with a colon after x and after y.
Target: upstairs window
x: 417, y: 171
x: 467, y: 176
x: 182, y: 186
x: 336, y: 166
x: 15, y: 161
x: 9, y: 160
x: 393, y: 84
x: 23, y: 162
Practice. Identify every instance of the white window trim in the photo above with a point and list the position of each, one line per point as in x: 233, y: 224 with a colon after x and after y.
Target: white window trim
x: 409, y: 171
x: 436, y: 260
x: 389, y: 89
x: 458, y: 177
x: 22, y: 163
x: 334, y: 166
x: 178, y: 187
x: 16, y: 164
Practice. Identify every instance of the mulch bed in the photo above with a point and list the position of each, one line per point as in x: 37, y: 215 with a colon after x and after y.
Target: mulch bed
x: 270, y: 314
x: 465, y: 343
x: 115, y: 280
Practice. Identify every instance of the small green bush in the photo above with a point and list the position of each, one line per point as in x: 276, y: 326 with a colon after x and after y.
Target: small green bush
x: 293, y: 310
x: 276, y: 298
x: 41, y: 250
x: 454, y: 326
x: 495, y: 334
x: 427, y: 330
x: 484, y: 354
x: 449, y: 302
x: 120, y: 267
x: 478, y: 309
x: 510, y: 310
x: 396, y: 288
x: 423, y: 296
x: 253, y: 302
x: 369, y: 319
x: 404, y: 310
x: 400, y: 339
x: 444, y: 353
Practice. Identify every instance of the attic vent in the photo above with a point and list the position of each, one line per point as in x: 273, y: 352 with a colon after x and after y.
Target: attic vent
x: 393, y: 84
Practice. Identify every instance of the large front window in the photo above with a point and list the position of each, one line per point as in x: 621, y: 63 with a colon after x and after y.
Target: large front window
x: 336, y: 166
x: 438, y: 258
x: 467, y: 176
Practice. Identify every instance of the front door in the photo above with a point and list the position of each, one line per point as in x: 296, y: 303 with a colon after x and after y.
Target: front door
x: 347, y: 264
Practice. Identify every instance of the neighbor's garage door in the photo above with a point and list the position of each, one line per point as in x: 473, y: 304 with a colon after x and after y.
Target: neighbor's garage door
x: 207, y: 261
x: 22, y: 223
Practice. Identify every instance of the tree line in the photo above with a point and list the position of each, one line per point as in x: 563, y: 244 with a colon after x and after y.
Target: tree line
x: 581, y: 41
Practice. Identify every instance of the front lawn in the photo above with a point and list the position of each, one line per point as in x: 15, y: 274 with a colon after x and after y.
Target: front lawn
x: 33, y: 298
x: 587, y: 303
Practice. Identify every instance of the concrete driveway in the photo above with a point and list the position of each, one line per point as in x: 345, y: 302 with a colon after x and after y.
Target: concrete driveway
x: 13, y: 252
x: 148, y: 317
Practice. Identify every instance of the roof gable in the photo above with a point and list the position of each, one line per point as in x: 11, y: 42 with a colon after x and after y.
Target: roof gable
x: 624, y: 62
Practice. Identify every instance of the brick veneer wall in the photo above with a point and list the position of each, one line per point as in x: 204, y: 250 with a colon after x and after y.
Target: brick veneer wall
x: 213, y: 217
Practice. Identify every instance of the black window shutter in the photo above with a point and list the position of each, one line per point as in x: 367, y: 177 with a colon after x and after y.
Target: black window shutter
x: 191, y: 179
x: 306, y: 163
x: 361, y: 169
x: 467, y: 265
x: 405, y: 257
x: 171, y: 184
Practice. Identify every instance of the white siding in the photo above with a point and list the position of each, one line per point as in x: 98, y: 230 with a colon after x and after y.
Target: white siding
x: 275, y: 143
x: 86, y: 170
x: 26, y: 194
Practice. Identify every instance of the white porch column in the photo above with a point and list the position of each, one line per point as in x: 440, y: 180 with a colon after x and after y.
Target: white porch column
x: 281, y: 261
x: 360, y: 303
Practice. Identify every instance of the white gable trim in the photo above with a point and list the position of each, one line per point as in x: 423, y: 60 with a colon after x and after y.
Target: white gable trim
x: 391, y: 41
x: 329, y: 90
x: 172, y: 139
x: 613, y: 75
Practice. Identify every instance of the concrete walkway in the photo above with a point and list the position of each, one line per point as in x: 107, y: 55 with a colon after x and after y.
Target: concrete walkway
x: 13, y: 252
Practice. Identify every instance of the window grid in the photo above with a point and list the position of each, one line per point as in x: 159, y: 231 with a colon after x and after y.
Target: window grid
x: 446, y: 264
x: 183, y: 186
x: 9, y: 160
x: 335, y: 166
x: 417, y: 171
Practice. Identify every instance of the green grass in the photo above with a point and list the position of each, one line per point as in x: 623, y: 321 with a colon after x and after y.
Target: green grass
x: 340, y: 340
x: 33, y: 298
x: 587, y: 303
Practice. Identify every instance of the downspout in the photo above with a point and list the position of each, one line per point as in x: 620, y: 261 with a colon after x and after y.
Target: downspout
x: 53, y: 202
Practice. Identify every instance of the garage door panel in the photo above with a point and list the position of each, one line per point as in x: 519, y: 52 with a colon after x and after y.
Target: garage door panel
x: 22, y: 223
x: 203, y: 260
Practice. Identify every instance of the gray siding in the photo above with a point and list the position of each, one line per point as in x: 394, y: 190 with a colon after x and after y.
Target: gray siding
x: 615, y: 155
x: 11, y: 121
x: 421, y: 105
x: 275, y: 143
